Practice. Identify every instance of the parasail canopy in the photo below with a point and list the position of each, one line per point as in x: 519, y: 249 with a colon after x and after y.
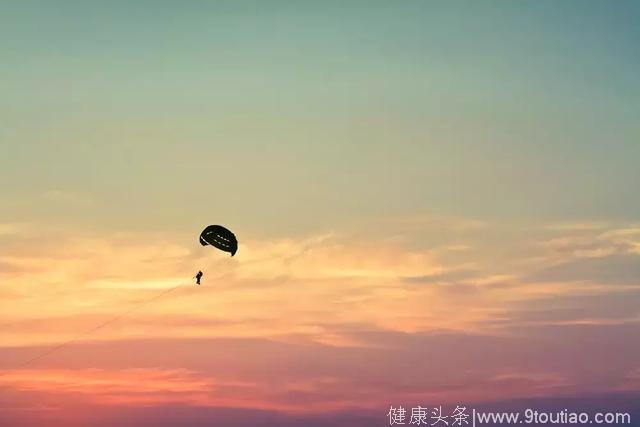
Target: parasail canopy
x: 219, y: 237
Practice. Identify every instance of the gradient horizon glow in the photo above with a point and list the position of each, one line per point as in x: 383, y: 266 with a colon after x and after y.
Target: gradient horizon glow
x: 436, y: 204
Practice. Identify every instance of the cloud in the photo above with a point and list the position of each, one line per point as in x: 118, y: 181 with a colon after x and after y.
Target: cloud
x: 455, y: 275
x: 306, y: 279
x: 70, y: 415
x: 128, y: 386
x: 294, y: 377
x: 286, y: 286
x: 597, y: 308
x: 617, y: 269
x: 580, y: 226
x: 325, y: 323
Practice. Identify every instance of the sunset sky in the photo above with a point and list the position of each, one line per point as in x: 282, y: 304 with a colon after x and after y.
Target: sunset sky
x: 437, y: 203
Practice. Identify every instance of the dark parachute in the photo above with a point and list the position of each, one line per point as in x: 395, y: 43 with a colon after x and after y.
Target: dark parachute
x: 219, y: 237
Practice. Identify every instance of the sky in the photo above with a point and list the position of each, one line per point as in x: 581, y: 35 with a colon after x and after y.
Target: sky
x: 436, y: 204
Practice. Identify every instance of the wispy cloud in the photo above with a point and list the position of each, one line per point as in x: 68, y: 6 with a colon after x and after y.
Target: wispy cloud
x: 323, y: 322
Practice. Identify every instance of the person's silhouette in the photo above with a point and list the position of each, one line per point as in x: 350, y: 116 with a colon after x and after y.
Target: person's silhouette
x: 198, y: 277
